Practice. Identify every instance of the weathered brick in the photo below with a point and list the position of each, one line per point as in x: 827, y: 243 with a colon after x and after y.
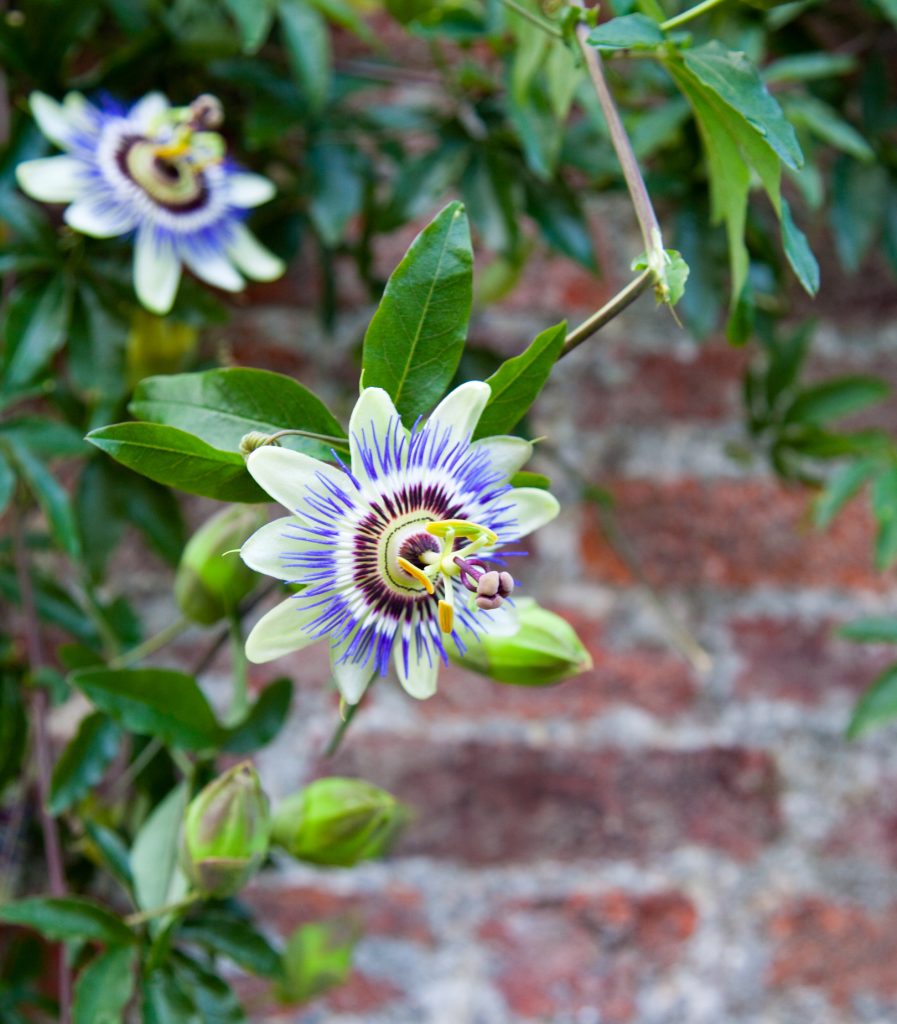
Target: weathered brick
x: 586, y: 952
x: 655, y: 680
x: 842, y: 950
x: 360, y: 994
x: 868, y: 831
x: 653, y: 389
x: 793, y: 660
x: 730, y: 534
x: 396, y: 910
x: 486, y: 803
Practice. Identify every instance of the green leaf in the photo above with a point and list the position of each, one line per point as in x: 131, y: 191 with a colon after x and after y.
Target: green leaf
x: 558, y: 212
x: 337, y: 189
x: 50, y: 495
x: 669, y: 285
x: 253, y: 20
x: 834, y: 399
x: 154, y: 510
x: 884, y: 508
x: 844, y: 485
x: 7, y: 482
x: 307, y: 44
x: 13, y: 728
x: 732, y: 76
x: 631, y: 32
x: 870, y: 631
x: 859, y: 193
x: 113, y: 851
x: 68, y: 918
x: 178, y: 459
x: 805, y: 67
x: 164, y: 1002
x: 798, y: 251
x: 221, y: 406
x: 44, y: 437
x: 414, y: 341
x: 212, y: 996
x: 84, y: 761
x: 826, y: 123
x: 158, y: 880
x: 877, y: 706
x: 153, y: 702
x: 264, y: 720
x: 36, y: 323
x: 517, y: 382
x: 105, y: 987
x: 236, y: 939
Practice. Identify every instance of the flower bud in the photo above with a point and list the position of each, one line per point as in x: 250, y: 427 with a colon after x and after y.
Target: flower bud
x: 544, y: 650
x: 212, y: 579
x: 338, y: 821
x: 226, y: 832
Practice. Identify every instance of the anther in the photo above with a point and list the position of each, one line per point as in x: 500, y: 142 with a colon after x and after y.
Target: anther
x: 417, y: 574
x: 446, y: 617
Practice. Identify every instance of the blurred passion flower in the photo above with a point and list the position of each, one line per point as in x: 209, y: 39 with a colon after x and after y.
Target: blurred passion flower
x: 394, y: 550
x: 159, y: 171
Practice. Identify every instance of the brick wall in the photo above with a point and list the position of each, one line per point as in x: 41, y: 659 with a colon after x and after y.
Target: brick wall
x: 662, y: 840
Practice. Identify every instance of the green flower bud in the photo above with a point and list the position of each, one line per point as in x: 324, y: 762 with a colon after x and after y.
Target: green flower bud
x: 338, y: 821
x: 227, y: 828
x: 212, y: 579
x: 544, y: 650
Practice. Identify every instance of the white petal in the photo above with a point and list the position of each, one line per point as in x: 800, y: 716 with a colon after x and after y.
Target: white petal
x: 280, y: 631
x: 53, y: 179
x: 147, y: 111
x: 531, y: 508
x: 55, y: 119
x: 508, y: 454
x: 157, y: 271
x: 370, y: 418
x: 286, y: 474
x: 215, y: 269
x: 250, y: 189
x: 351, y: 677
x: 269, y: 548
x: 461, y: 409
x: 420, y: 680
x: 97, y: 222
x: 252, y: 257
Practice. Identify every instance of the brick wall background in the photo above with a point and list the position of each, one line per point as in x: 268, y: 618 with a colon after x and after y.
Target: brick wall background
x: 656, y: 841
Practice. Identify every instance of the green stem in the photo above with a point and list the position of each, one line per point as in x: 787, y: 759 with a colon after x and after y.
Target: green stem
x: 239, y: 704
x: 625, y: 297
x: 152, y: 644
x: 534, y: 19
x: 169, y: 908
x: 337, y: 738
x: 323, y: 438
x: 692, y: 12
x: 632, y: 174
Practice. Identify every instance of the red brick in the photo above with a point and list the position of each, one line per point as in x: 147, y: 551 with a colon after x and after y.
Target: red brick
x: 792, y: 660
x: 586, y: 952
x: 844, y: 951
x: 359, y: 994
x: 868, y: 831
x: 654, y: 680
x: 396, y: 911
x: 659, y: 388
x: 731, y: 534
x: 485, y: 803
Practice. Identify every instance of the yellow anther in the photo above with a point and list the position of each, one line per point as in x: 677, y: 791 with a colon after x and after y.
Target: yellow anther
x: 417, y: 574
x: 462, y: 528
x: 173, y: 149
x: 446, y: 617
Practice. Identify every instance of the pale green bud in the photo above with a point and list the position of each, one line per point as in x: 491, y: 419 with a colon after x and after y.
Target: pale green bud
x: 544, y: 650
x: 227, y: 829
x: 338, y: 821
x: 212, y: 579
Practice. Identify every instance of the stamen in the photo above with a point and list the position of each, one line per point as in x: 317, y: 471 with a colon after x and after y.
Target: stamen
x: 417, y: 574
x: 446, y: 616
